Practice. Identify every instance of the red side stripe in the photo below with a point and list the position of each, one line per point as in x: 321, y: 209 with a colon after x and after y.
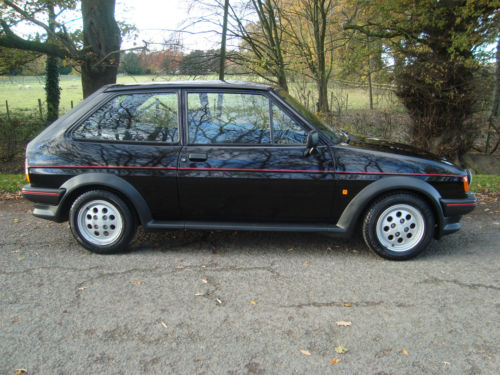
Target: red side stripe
x: 242, y: 170
x: 461, y: 204
x: 38, y: 192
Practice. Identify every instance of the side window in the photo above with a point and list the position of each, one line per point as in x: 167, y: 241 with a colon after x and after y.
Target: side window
x: 218, y: 118
x: 286, y: 131
x: 135, y: 117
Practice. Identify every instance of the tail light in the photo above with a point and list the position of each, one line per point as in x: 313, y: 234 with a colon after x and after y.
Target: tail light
x: 26, y: 167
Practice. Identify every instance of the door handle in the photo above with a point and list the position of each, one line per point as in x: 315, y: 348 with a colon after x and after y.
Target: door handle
x: 197, y: 156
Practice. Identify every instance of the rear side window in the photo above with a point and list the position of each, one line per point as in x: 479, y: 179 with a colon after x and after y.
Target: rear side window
x: 134, y: 118
x: 231, y: 118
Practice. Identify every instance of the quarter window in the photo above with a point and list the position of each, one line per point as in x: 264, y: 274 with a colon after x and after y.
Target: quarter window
x: 286, y: 131
x: 218, y: 118
x: 135, y: 118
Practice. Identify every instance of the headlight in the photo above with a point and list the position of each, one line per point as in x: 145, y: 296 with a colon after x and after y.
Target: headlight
x: 469, y: 176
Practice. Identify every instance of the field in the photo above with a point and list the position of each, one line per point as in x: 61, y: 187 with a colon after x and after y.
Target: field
x: 23, y: 92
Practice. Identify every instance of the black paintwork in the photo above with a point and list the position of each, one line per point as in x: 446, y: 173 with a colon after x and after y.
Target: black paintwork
x: 235, y: 186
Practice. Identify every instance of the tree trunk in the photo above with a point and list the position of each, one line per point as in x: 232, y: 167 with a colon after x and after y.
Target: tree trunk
x: 52, y: 88
x: 496, y: 90
x: 370, y: 88
x: 322, y: 84
x: 223, y: 42
x: 101, y: 45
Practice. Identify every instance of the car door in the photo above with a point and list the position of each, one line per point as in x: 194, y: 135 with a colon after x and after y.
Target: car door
x: 244, y: 161
x: 135, y: 135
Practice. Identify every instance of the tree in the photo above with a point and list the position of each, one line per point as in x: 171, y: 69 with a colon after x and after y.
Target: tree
x: 434, y: 44
x: 262, y: 40
x: 311, y: 25
x: 52, y: 89
x: 131, y: 64
x: 98, y: 54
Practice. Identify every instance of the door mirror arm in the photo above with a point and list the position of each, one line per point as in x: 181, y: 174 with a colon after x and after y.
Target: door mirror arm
x: 311, y: 142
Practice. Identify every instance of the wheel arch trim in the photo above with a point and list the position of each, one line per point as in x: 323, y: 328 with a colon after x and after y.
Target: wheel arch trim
x: 357, y: 206
x: 111, y: 181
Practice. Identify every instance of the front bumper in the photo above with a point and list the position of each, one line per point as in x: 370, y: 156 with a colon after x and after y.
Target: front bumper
x: 459, y: 207
x: 453, y: 209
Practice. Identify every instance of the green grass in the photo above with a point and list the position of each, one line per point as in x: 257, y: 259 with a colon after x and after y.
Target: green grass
x: 12, y: 183
x: 21, y: 97
x: 485, y: 183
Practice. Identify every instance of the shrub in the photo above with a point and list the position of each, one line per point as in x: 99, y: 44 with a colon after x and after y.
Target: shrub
x: 16, y: 130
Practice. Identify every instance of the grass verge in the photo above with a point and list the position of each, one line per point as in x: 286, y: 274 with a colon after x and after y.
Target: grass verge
x: 485, y: 183
x: 12, y: 183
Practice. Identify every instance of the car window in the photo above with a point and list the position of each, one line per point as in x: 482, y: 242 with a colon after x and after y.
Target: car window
x: 286, y: 131
x: 136, y: 117
x: 218, y: 118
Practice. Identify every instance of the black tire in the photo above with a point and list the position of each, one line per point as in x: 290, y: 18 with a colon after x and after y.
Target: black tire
x: 398, y: 226
x: 101, y: 222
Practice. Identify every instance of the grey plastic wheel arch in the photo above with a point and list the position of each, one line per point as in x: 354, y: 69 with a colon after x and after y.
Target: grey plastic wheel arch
x: 360, y: 202
x: 94, y: 180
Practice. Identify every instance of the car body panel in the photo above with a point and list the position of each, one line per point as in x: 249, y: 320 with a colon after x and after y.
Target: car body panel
x: 265, y: 187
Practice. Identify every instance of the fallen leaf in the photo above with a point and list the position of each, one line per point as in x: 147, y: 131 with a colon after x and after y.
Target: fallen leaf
x: 164, y: 324
x: 21, y: 258
x: 446, y: 363
x: 179, y: 267
x: 341, y: 349
x: 335, y: 360
x: 253, y: 302
x: 343, y: 324
x: 82, y: 288
x: 347, y: 305
x: 20, y: 371
x: 305, y: 352
x: 204, y: 281
x: 219, y: 301
x: 16, y: 220
x: 203, y: 266
x: 138, y: 282
x: 4, y: 294
x: 308, y: 261
x: 198, y: 294
x: 405, y: 352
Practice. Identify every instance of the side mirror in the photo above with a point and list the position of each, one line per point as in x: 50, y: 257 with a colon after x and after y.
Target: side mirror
x: 311, y: 142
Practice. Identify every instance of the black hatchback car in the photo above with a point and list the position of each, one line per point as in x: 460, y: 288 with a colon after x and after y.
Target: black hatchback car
x: 233, y: 155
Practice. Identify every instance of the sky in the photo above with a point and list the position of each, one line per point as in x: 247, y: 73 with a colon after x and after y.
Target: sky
x: 155, y: 21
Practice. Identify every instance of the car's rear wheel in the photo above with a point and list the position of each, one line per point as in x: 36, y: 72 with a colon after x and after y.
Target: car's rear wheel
x: 102, y: 222
x: 398, y: 226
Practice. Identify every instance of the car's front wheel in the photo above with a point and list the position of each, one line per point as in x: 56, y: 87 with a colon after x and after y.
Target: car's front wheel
x: 398, y: 226
x: 102, y: 222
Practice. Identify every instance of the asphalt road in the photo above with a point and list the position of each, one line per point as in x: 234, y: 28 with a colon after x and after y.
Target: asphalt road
x: 246, y: 303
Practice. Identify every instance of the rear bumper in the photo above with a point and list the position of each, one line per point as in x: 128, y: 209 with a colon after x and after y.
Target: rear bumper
x: 42, y: 195
x: 46, y: 201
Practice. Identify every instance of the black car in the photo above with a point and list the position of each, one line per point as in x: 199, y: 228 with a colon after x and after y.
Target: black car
x: 233, y: 155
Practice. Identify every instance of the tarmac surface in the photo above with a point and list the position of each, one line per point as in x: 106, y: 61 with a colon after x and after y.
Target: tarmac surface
x: 246, y: 303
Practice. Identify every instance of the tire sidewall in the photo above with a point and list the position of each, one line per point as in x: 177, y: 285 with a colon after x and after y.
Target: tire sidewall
x: 128, y: 230
x: 374, y: 213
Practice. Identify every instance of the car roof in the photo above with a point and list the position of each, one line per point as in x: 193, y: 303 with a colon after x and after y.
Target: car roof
x: 190, y: 84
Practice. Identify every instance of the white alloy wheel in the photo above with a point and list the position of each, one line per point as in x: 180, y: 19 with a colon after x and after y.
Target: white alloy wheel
x: 100, y: 222
x: 400, y: 227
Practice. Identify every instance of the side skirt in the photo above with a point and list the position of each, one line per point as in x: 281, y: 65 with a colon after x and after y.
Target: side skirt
x: 266, y: 227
